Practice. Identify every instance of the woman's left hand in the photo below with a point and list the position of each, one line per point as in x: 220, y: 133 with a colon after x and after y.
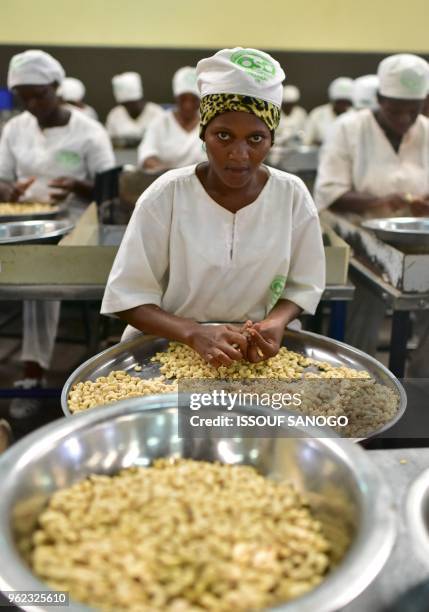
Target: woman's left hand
x: 63, y: 186
x: 265, y: 338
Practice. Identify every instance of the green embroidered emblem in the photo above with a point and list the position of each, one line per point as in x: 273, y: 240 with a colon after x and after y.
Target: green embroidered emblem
x: 412, y: 81
x: 276, y: 289
x: 258, y: 66
x: 68, y: 159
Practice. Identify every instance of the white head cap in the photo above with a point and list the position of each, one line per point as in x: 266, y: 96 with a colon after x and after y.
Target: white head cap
x: 247, y: 72
x: 72, y: 90
x: 404, y: 76
x: 185, y: 81
x: 34, y: 67
x: 291, y: 93
x: 365, y: 92
x: 341, y: 89
x: 127, y: 87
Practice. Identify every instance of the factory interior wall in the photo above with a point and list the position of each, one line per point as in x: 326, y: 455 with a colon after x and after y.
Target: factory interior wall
x: 315, y: 41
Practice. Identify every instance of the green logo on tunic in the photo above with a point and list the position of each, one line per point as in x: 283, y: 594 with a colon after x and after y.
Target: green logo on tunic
x: 412, y: 81
x: 276, y: 289
x: 258, y: 66
x: 68, y: 159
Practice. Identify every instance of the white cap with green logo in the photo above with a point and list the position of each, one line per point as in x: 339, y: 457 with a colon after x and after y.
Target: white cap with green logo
x: 404, y: 76
x: 247, y: 72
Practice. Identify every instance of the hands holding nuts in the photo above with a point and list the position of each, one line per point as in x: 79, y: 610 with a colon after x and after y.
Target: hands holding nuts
x: 221, y: 345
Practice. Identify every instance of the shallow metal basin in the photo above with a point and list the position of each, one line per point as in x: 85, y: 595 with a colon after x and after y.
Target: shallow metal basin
x: 43, y: 231
x: 417, y: 508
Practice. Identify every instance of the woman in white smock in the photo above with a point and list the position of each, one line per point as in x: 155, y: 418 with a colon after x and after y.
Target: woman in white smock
x: 47, y: 153
x: 129, y: 120
x: 72, y: 91
x: 173, y: 140
x: 321, y: 119
x: 377, y: 164
x: 293, y: 117
x: 229, y: 239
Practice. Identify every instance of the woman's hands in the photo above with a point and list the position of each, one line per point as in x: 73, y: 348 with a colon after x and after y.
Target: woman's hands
x: 64, y: 185
x: 11, y: 192
x: 264, y: 339
x: 219, y: 345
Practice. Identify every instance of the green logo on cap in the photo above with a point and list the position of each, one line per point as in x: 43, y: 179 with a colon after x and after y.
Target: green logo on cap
x: 258, y: 66
x: 412, y: 81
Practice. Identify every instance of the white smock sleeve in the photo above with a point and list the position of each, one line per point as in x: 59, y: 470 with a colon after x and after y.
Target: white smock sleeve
x: 7, y: 158
x: 139, y: 273
x: 99, y: 154
x: 150, y: 145
x: 306, y: 277
x: 335, y: 171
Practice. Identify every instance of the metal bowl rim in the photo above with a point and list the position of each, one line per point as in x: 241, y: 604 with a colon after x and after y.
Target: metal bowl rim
x: 66, y: 227
x: 372, y: 225
x: 395, y: 382
x: 417, y: 493
x: 338, y: 589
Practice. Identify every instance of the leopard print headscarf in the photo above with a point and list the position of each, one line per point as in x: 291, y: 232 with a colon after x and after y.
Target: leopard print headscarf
x: 213, y: 105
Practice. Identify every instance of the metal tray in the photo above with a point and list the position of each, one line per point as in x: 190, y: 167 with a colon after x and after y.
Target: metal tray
x: 401, y: 231
x: 30, y: 216
x: 29, y: 232
x: 125, y: 355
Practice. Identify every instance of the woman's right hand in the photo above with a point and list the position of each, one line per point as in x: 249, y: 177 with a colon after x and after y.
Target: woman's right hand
x: 219, y: 345
x: 11, y: 192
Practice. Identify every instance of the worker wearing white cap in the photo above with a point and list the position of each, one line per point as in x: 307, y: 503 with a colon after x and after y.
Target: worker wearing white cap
x: 72, y: 91
x: 377, y: 164
x: 365, y: 89
x: 229, y: 239
x: 293, y: 117
x: 172, y: 141
x: 130, y: 119
x: 322, y: 118
x: 47, y: 153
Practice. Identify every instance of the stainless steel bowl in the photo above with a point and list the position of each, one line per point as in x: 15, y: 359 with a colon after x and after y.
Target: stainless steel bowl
x: 30, y: 232
x: 125, y: 355
x: 346, y: 492
x: 417, y: 509
x: 401, y: 231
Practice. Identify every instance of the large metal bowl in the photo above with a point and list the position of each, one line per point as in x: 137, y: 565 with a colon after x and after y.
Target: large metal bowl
x: 346, y: 492
x: 401, y: 231
x: 125, y: 355
x: 417, y: 509
x: 32, y: 232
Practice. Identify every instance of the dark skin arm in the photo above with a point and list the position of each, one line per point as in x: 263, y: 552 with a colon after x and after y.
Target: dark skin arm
x: 265, y: 337
x: 65, y: 185
x: 217, y: 344
x: 153, y: 164
x: 354, y: 201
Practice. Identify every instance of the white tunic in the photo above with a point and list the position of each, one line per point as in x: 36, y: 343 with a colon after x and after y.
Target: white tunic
x: 79, y: 149
x: 359, y: 157
x: 291, y: 126
x: 319, y: 123
x: 171, y: 143
x: 187, y: 254
x: 119, y: 124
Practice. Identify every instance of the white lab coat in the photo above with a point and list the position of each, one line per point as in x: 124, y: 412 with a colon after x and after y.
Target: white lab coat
x: 120, y: 124
x: 79, y: 149
x: 291, y: 126
x: 171, y: 143
x: 187, y: 254
x: 359, y: 157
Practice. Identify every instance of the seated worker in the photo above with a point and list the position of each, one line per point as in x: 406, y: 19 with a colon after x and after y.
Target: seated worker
x: 365, y: 89
x: 293, y: 117
x: 130, y: 119
x: 228, y: 239
x: 172, y: 141
x: 377, y: 164
x: 47, y: 153
x: 321, y: 118
x: 72, y: 91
